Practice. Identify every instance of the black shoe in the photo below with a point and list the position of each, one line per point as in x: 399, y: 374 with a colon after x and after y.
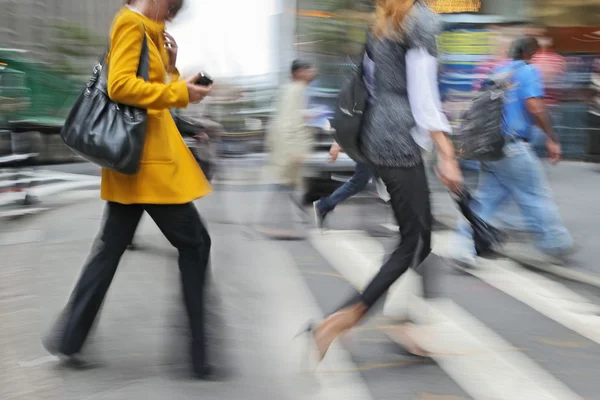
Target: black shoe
x: 31, y: 200
x: 319, y: 216
x: 73, y: 361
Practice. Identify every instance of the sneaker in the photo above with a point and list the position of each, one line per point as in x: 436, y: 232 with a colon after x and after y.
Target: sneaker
x: 319, y: 216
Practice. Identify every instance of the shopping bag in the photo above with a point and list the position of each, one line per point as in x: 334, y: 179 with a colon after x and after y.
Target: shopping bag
x: 485, y: 236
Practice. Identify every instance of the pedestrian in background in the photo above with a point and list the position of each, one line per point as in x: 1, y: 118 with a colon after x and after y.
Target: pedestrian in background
x: 356, y: 184
x: 403, y: 117
x: 168, y: 181
x: 519, y: 176
x: 289, y: 142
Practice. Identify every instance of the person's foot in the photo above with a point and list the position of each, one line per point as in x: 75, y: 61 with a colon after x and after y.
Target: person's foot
x: 319, y: 216
x: 71, y: 361
x: 31, y: 200
x: 335, y: 325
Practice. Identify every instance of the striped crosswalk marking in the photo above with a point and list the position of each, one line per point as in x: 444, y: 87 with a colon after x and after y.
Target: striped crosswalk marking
x: 472, y: 354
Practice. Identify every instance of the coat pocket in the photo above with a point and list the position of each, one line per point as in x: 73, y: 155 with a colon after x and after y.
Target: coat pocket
x: 158, y: 146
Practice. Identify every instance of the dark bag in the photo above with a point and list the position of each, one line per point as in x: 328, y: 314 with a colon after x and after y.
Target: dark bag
x: 348, y: 117
x: 481, y: 137
x: 485, y: 236
x: 188, y: 129
x: 106, y: 133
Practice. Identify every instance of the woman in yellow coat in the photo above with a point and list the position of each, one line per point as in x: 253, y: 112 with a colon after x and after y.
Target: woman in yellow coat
x: 168, y: 181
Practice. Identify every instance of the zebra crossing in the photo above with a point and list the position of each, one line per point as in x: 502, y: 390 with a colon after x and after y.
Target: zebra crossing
x: 482, y: 359
x: 21, y: 189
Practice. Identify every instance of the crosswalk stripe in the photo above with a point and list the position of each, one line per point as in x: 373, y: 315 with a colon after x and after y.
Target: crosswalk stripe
x: 542, y: 294
x: 477, y: 365
x: 47, y: 190
x: 339, y: 378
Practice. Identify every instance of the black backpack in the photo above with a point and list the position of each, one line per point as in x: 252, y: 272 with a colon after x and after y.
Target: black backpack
x: 480, y: 136
x: 348, y: 117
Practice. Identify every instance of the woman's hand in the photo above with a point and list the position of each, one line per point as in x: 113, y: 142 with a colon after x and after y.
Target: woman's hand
x: 171, y: 46
x: 449, y: 173
x: 334, y: 152
x: 196, y: 92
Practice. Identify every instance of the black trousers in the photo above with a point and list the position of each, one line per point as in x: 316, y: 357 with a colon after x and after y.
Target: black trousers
x: 182, y: 226
x: 409, y: 192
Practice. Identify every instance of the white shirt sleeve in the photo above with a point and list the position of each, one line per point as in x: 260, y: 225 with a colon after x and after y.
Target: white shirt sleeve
x: 424, y: 96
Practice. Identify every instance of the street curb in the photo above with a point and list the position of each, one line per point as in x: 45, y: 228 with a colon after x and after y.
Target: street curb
x: 540, y: 265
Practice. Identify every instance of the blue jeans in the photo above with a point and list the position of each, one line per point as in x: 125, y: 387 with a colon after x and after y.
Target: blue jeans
x: 519, y: 176
x: 356, y: 184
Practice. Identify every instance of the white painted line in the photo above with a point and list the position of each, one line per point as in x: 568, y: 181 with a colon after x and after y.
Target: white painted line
x: 542, y: 294
x: 47, y: 190
x: 38, y: 361
x: 358, y: 257
x: 557, y: 270
x: 541, y: 265
x: 29, y: 180
x: 10, y: 198
x: 65, y: 176
x: 468, y: 351
x: 292, y: 306
x: 465, y: 348
x: 17, y: 157
x: 21, y: 212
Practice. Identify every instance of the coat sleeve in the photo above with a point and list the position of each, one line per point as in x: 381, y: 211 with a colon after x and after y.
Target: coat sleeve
x: 124, y: 86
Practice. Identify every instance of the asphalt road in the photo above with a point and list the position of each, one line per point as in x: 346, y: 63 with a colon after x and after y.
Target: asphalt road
x: 501, y: 332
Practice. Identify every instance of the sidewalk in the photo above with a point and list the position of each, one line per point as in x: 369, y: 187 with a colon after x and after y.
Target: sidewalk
x: 577, y: 192
x: 141, y: 337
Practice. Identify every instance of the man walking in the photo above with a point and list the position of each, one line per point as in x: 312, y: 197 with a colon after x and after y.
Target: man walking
x: 356, y: 184
x: 520, y: 175
x: 289, y: 141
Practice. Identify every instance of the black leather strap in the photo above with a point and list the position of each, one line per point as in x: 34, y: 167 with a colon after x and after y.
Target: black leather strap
x: 143, y: 70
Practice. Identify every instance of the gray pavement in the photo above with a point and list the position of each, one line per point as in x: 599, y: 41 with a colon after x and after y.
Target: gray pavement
x: 263, y: 292
x: 141, y: 337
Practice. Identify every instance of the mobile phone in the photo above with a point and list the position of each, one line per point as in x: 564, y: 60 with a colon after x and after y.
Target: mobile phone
x: 204, y: 80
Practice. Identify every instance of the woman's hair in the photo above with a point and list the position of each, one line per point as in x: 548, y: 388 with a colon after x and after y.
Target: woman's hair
x: 128, y: 1
x: 389, y: 15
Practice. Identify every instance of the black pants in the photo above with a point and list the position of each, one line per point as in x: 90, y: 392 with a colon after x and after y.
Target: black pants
x: 182, y: 226
x: 409, y: 194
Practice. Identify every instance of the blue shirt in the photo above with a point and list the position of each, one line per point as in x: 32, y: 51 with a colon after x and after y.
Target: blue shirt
x: 526, y: 82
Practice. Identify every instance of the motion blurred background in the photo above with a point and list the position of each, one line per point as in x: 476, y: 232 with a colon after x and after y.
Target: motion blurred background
x: 269, y: 289
x: 49, y: 46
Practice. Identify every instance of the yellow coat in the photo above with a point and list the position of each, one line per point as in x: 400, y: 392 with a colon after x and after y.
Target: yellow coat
x: 168, y: 174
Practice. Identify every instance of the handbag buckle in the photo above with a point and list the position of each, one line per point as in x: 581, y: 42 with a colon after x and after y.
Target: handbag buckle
x: 97, y: 69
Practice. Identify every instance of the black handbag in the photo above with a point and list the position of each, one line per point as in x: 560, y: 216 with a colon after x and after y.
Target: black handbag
x: 485, y: 236
x: 102, y: 131
x: 347, y: 121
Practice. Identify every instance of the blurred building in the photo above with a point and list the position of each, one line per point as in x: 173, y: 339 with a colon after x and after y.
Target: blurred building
x: 29, y: 24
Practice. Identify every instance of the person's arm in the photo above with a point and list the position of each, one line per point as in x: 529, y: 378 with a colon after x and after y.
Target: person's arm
x: 426, y: 107
x: 538, y: 111
x: 532, y: 91
x: 124, y: 86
